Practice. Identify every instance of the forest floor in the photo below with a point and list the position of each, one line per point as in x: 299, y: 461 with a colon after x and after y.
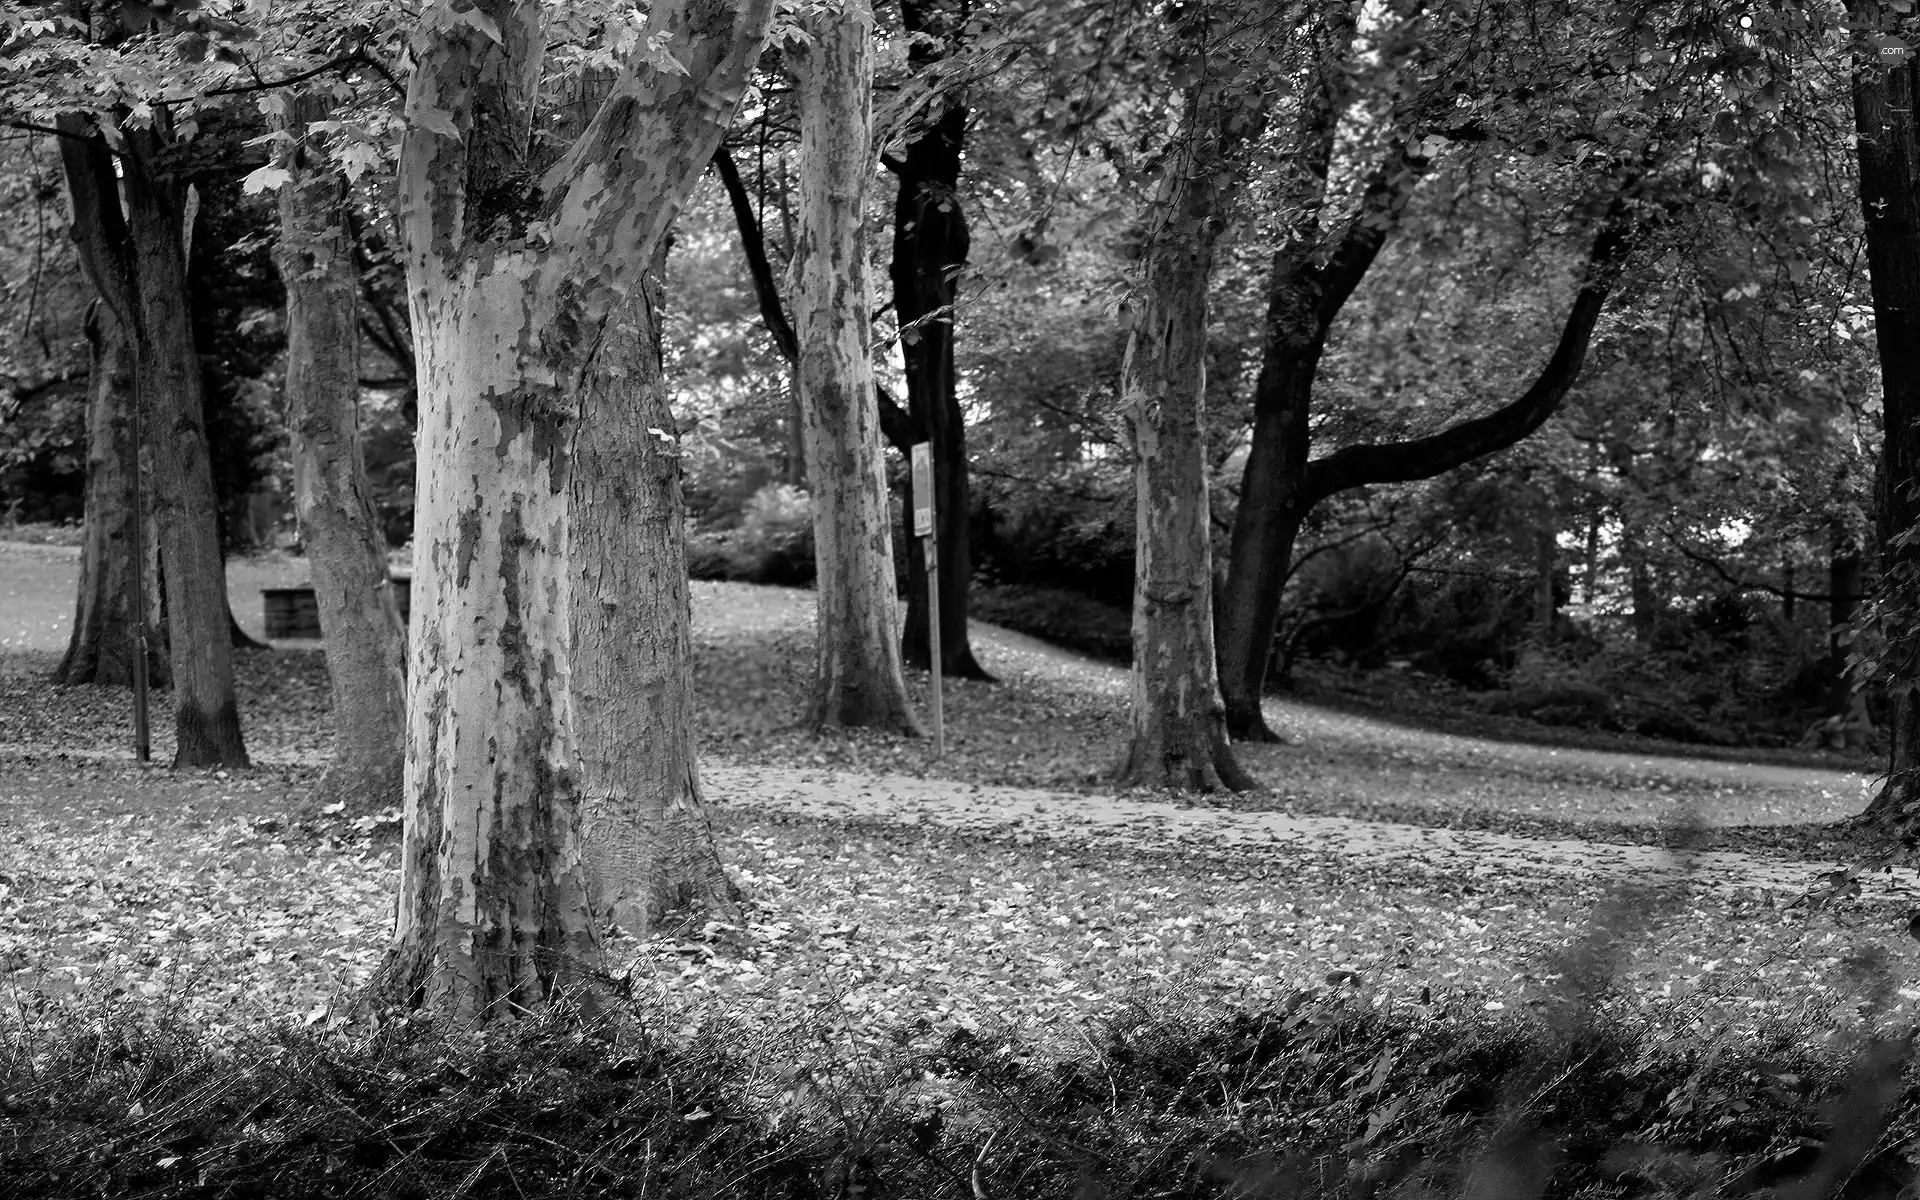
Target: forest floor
x: 1002, y: 883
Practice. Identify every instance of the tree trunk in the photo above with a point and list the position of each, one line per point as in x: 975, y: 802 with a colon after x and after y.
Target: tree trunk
x: 1846, y: 584
x: 101, y: 647
x: 345, y: 547
x: 857, y: 678
x: 1889, y: 150
x: 514, y: 275
x: 1546, y: 605
x: 136, y: 259
x: 648, y: 837
x: 1179, y: 732
x: 1273, y: 501
x: 1282, y: 485
x: 930, y: 244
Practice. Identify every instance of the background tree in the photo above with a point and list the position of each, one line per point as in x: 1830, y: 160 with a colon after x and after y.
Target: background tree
x: 857, y: 677
x: 129, y: 230
x: 1889, y: 156
x: 339, y: 529
x: 1179, y: 731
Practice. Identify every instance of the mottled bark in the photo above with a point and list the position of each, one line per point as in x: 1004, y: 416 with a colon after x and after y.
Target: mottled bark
x: 930, y: 245
x: 513, y: 275
x: 648, y: 837
x: 1889, y: 149
x: 345, y: 547
x: 101, y: 647
x: 129, y: 233
x: 1179, y: 732
x: 857, y: 678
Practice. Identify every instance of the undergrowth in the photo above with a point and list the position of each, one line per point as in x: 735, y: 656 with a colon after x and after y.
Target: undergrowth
x: 1322, y: 1097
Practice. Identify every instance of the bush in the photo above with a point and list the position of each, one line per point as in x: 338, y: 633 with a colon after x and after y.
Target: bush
x: 773, y: 544
x: 1058, y: 616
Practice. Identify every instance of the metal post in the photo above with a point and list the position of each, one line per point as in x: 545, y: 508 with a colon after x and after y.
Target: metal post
x: 924, y: 527
x: 933, y: 642
x: 142, y: 745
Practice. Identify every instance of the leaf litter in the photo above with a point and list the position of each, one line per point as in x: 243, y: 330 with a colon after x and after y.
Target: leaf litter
x: 198, y: 890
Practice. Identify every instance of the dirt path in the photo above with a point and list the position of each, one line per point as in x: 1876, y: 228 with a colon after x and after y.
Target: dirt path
x: 1144, y: 825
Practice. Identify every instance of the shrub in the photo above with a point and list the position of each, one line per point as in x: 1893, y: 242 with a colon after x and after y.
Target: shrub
x: 1324, y: 1096
x: 1058, y: 616
x: 773, y: 544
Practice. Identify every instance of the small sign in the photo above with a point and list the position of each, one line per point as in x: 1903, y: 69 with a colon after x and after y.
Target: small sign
x: 923, y: 489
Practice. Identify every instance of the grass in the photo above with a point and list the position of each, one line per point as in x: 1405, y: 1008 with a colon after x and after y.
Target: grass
x: 993, y: 977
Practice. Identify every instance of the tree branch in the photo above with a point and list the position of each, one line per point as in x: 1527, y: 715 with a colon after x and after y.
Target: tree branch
x: 1426, y: 457
x: 655, y: 127
x: 897, y: 425
x: 1728, y: 577
x: 753, y: 243
x: 99, y: 227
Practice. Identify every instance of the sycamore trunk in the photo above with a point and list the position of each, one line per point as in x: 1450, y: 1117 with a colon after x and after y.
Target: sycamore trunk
x: 1179, y: 734
x: 857, y: 679
x: 339, y: 527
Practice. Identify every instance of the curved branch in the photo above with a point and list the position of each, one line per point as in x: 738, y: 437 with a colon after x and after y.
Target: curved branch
x: 1435, y: 454
x: 753, y: 243
x: 897, y: 425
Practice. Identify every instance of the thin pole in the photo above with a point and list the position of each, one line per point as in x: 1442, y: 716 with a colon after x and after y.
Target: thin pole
x: 933, y: 642
x: 142, y: 746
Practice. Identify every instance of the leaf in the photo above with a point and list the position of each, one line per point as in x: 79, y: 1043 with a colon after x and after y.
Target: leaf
x: 265, y: 179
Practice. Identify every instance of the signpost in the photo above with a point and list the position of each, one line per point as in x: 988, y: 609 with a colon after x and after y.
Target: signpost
x: 924, y: 530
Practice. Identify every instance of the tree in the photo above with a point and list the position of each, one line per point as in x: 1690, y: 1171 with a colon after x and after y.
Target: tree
x: 647, y: 832
x: 1889, y: 155
x: 515, y: 267
x: 118, y: 588
x: 857, y: 677
x: 346, y: 550
x: 129, y: 224
x: 930, y: 245
x: 1179, y: 734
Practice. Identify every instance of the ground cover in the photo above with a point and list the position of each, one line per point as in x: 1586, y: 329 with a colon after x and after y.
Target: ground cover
x: 210, y: 886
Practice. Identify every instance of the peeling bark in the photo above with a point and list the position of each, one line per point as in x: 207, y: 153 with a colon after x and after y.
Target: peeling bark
x: 857, y: 678
x: 345, y: 548
x: 513, y: 275
x: 1179, y: 733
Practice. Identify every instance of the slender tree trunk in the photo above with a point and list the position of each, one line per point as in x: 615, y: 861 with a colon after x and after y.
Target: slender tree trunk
x: 338, y: 526
x: 1273, y: 500
x: 1546, y: 605
x: 930, y: 244
x: 1179, y: 733
x: 514, y: 276
x: 648, y: 837
x: 101, y: 647
x: 1889, y: 149
x: 130, y: 235
x: 1846, y: 583
x: 1282, y: 485
x: 857, y: 677
x: 1303, y: 298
